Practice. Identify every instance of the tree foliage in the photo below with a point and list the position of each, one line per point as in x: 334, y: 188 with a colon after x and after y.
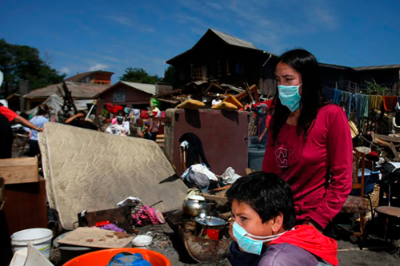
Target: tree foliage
x: 139, y: 75
x: 169, y: 75
x: 22, y: 62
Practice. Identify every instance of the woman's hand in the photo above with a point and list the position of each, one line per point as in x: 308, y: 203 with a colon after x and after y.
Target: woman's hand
x: 317, y: 226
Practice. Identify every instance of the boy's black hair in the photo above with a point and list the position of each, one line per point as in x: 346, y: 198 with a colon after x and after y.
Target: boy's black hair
x: 267, y: 194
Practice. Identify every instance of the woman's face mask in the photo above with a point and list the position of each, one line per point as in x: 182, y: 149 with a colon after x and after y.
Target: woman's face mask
x: 290, y: 96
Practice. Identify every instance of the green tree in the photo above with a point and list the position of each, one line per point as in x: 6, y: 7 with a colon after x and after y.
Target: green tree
x: 22, y: 62
x: 139, y: 75
x: 169, y: 75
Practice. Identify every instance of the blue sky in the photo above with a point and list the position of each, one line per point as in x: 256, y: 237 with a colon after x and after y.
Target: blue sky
x: 78, y: 36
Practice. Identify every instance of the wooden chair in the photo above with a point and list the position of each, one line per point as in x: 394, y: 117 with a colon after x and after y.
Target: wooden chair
x: 358, y: 204
x: 391, y: 214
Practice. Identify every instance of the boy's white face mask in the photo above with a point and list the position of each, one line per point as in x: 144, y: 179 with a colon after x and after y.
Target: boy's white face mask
x: 251, y: 243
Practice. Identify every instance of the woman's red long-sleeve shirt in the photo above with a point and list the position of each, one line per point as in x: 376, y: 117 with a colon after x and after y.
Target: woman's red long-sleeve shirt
x: 318, y: 170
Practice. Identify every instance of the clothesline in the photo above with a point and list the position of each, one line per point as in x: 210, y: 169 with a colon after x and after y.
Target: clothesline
x: 360, y: 103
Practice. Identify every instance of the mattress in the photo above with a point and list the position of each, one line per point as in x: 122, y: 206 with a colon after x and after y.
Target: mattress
x: 91, y: 170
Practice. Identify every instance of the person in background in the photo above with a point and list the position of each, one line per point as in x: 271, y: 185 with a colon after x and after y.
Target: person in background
x: 262, y: 226
x: 78, y: 120
x: 217, y: 100
x: 6, y: 138
x: 39, y: 120
x: 263, y: 123
x: 145, y: 131
x: 7, y: 117
x: 14, y: 118
x: 154, y: 126
x: 309, y: 142
x: 121, y: 127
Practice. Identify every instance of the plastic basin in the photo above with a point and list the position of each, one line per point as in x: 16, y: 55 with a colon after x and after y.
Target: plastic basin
x: 102, y: 257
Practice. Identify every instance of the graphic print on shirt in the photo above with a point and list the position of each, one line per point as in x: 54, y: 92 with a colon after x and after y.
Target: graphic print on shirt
x: 285, y: 157
x: 281, y: 155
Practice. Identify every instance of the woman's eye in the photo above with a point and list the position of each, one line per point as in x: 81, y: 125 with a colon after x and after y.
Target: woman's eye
x: 243, y: 218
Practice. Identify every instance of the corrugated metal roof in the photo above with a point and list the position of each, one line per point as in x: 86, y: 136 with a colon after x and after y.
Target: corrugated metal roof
x: 78, y: 90
x: 78, y: 77
x: 148, y: 88
x: 377, y: 67
x: 233, y: 40
x: 333, y: 66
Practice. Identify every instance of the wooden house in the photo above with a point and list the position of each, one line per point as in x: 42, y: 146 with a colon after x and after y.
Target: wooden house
x: 126, y: 94
x: 234, y: 61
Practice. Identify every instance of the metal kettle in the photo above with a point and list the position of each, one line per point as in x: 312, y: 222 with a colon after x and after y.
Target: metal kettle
x: 194, y: 205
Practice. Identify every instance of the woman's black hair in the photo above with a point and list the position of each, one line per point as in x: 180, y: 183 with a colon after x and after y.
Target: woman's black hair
x: 267, y: 194
x: 312, y: 97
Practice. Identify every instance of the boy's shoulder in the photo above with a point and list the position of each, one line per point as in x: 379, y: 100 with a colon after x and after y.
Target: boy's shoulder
x: 287, y: 254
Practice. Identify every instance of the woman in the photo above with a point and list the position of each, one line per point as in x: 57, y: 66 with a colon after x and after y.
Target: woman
x: 39, y: 120
x: 309, y: 141
x: 154, y: 126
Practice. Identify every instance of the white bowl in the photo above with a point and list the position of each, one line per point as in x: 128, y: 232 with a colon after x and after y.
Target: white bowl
x: 142, y: 241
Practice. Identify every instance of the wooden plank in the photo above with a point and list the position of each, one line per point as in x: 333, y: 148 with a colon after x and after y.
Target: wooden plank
x: 215, y: 197
x: 378, y: 140
x: 19, y: 170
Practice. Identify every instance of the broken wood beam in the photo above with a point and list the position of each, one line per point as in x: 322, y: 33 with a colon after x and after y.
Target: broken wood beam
x: 387, y: 138
x: 395, y: 153
x: 244, y: 93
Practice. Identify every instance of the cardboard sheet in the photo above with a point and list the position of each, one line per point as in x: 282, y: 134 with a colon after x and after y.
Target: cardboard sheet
x: 97, y: 238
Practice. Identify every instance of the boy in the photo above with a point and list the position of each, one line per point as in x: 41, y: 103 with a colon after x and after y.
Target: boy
x: 263, y: 226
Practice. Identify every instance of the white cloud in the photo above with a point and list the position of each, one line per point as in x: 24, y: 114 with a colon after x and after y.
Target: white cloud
x: 267, y: 24
x: 98, y: 67
x: 65, y: 70
x: 129, y: 22
x: 323, y: 16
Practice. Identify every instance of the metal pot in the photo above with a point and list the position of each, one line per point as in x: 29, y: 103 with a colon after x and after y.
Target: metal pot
x: 194, y: 205
x: 211, y: 222
x: 210, y: 227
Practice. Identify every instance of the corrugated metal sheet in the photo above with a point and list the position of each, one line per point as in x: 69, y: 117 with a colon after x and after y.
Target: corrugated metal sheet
x: 148, y: 88
x: 78, y: 77
x: 377, y: 67
x: 78, y: 90
x: 233, y: 40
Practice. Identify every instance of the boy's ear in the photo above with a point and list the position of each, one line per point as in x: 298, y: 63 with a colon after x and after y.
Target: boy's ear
x: 277, y: 223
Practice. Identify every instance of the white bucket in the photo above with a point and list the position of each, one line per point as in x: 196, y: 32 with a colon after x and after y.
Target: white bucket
x: 40, y: 238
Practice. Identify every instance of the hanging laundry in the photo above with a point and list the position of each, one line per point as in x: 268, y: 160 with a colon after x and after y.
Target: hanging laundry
x: 345, y: 100
x: 356, y: 106
x: 336, y: 95
x: 136, y: 115
x: 389, y: 102
x: 113, y: 108
x: 328, y: 92
x: 376, y: 101
x: 364, y: 101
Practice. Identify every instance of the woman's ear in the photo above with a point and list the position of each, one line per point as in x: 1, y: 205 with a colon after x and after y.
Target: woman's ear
x: 277, y: 224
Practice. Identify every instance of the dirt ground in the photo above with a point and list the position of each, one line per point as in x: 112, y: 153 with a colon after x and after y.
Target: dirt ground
x: 375, y: 252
